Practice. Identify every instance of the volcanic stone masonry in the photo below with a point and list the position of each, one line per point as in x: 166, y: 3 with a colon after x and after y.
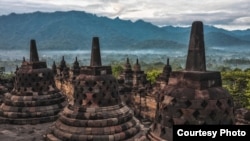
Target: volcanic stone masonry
x: 34, y: 98
x: 162, y: 79
x: 151, y: 97
x: 125, y: 81
x: 63, y: 77
x: 96, y: 111
x: 193, y: 96
x: 62, y: 72
x: 134, y: 89
x: 6, y: 85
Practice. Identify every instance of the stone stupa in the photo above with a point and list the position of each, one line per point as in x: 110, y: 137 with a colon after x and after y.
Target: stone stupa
x: 34, y: 98
x: 193, y: 96
x: 162, y: 79
x: 96, y: 111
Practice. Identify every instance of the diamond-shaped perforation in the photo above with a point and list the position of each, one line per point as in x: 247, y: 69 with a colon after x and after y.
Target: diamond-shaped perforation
x: 89, y: 103
x: 196, y: 114
x: 204, y: 103
x: 218, y: 104
x: 212, y: 115
x: 188, y: 103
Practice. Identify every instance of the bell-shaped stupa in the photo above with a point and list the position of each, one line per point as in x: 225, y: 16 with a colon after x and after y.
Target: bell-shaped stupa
x: 96, y: 111
x: 193, y: 96
x: 34, y: 98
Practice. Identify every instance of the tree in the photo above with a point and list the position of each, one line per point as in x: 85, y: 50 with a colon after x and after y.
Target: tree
x: 117, y: 69
x: 152, y: 75
x: 237, y: 82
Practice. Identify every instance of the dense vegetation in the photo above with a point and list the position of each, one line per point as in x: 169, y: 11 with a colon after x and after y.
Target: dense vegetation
x: 6, y: 76
x: 237, y: 82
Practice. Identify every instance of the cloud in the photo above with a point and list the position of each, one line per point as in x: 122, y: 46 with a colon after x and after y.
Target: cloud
x: 159, y: 12
x: 242, y: 21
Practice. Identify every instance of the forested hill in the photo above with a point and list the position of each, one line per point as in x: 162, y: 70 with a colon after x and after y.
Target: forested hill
x: 74, y: 30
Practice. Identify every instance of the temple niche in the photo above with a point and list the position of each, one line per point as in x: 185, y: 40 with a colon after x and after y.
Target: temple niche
x: 35, y: 97
x: 96, y: 111
x: 193, y: 96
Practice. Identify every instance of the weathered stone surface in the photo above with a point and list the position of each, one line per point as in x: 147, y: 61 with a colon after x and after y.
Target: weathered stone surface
x: 163, y: 78
x: 134, y: 88
x: 95, y: 53
x: 196, y: 51
x: 6, y: 85
x: 147, y: 103
x: 193, y: 96
x: 34, y: 98
x: 96, y: 111
x: 242, y: 116
x: 33, y: 51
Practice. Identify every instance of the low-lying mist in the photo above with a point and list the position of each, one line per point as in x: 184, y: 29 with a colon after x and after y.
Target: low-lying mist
x: 216, y: 57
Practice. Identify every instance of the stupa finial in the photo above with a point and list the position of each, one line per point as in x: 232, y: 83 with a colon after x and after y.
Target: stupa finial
x: 196, y: 51
x: 33, y: 51
x: 95, y: 53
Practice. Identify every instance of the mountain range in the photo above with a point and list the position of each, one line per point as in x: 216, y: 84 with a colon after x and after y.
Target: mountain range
x: 73, y: 30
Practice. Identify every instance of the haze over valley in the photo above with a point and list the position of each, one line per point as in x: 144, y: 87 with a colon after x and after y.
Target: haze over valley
x: 69, y: 34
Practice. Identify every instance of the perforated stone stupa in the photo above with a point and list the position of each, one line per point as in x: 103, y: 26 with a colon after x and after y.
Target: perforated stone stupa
x: 96, y: 111
x: 162, y: 79
x: 34, y: 98
x: 193, y: 96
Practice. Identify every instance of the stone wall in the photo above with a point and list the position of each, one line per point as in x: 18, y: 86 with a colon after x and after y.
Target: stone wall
x: 148, y: 106
x: 66, y: 87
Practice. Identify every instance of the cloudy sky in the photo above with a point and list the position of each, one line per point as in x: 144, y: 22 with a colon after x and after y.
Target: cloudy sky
x: 228, y: 14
